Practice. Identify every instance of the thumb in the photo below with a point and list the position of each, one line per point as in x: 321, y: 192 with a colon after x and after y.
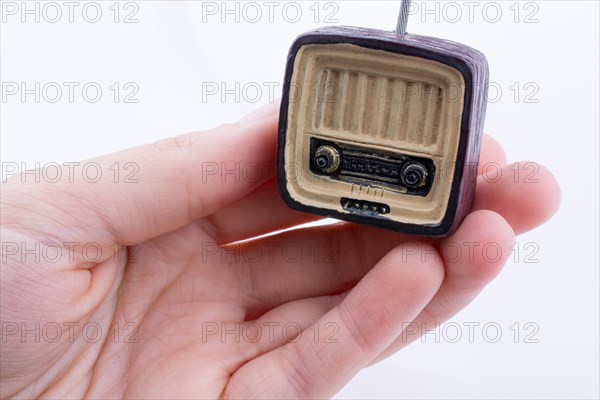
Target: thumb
x: 146, y: 191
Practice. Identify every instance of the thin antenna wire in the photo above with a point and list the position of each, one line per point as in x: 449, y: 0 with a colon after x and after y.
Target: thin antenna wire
x: 403, y: 17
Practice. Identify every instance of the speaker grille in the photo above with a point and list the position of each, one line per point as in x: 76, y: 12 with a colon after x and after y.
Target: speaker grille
x: 379, y: 107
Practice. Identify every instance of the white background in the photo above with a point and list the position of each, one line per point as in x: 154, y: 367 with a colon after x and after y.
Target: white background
x: 175, y: 49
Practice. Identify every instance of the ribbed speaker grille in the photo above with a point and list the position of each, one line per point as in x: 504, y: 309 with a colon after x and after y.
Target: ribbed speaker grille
x: 367, y: 105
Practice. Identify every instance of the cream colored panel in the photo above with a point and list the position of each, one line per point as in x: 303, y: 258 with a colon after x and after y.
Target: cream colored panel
x: 380, y: 101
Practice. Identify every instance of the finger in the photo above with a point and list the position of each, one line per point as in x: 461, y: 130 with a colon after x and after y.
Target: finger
x: 473, y: 256
x: 368, y: 320
x: 526, y: 194
x: 239, y: 342
x: 264, y: 211
x: 285, y: 323
x: 492, y: 155
x: 307, y: 262
x: 176, y: 181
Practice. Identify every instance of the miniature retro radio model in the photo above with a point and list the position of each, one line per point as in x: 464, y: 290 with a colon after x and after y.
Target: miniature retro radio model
x: 382, y: 128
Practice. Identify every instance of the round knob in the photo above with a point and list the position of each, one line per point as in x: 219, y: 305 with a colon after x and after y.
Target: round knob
x: 327, y: 159
x: 414, y: 174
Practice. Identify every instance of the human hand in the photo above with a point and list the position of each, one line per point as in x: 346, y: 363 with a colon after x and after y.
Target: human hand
x: 152, y: 299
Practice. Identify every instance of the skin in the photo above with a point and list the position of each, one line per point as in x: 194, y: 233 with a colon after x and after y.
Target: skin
x: 168, y: 281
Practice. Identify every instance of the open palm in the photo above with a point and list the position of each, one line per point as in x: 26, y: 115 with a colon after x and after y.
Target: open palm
x: 149, y: 288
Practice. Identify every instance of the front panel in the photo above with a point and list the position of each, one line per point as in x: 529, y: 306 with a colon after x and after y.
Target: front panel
x: 373, y: 133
